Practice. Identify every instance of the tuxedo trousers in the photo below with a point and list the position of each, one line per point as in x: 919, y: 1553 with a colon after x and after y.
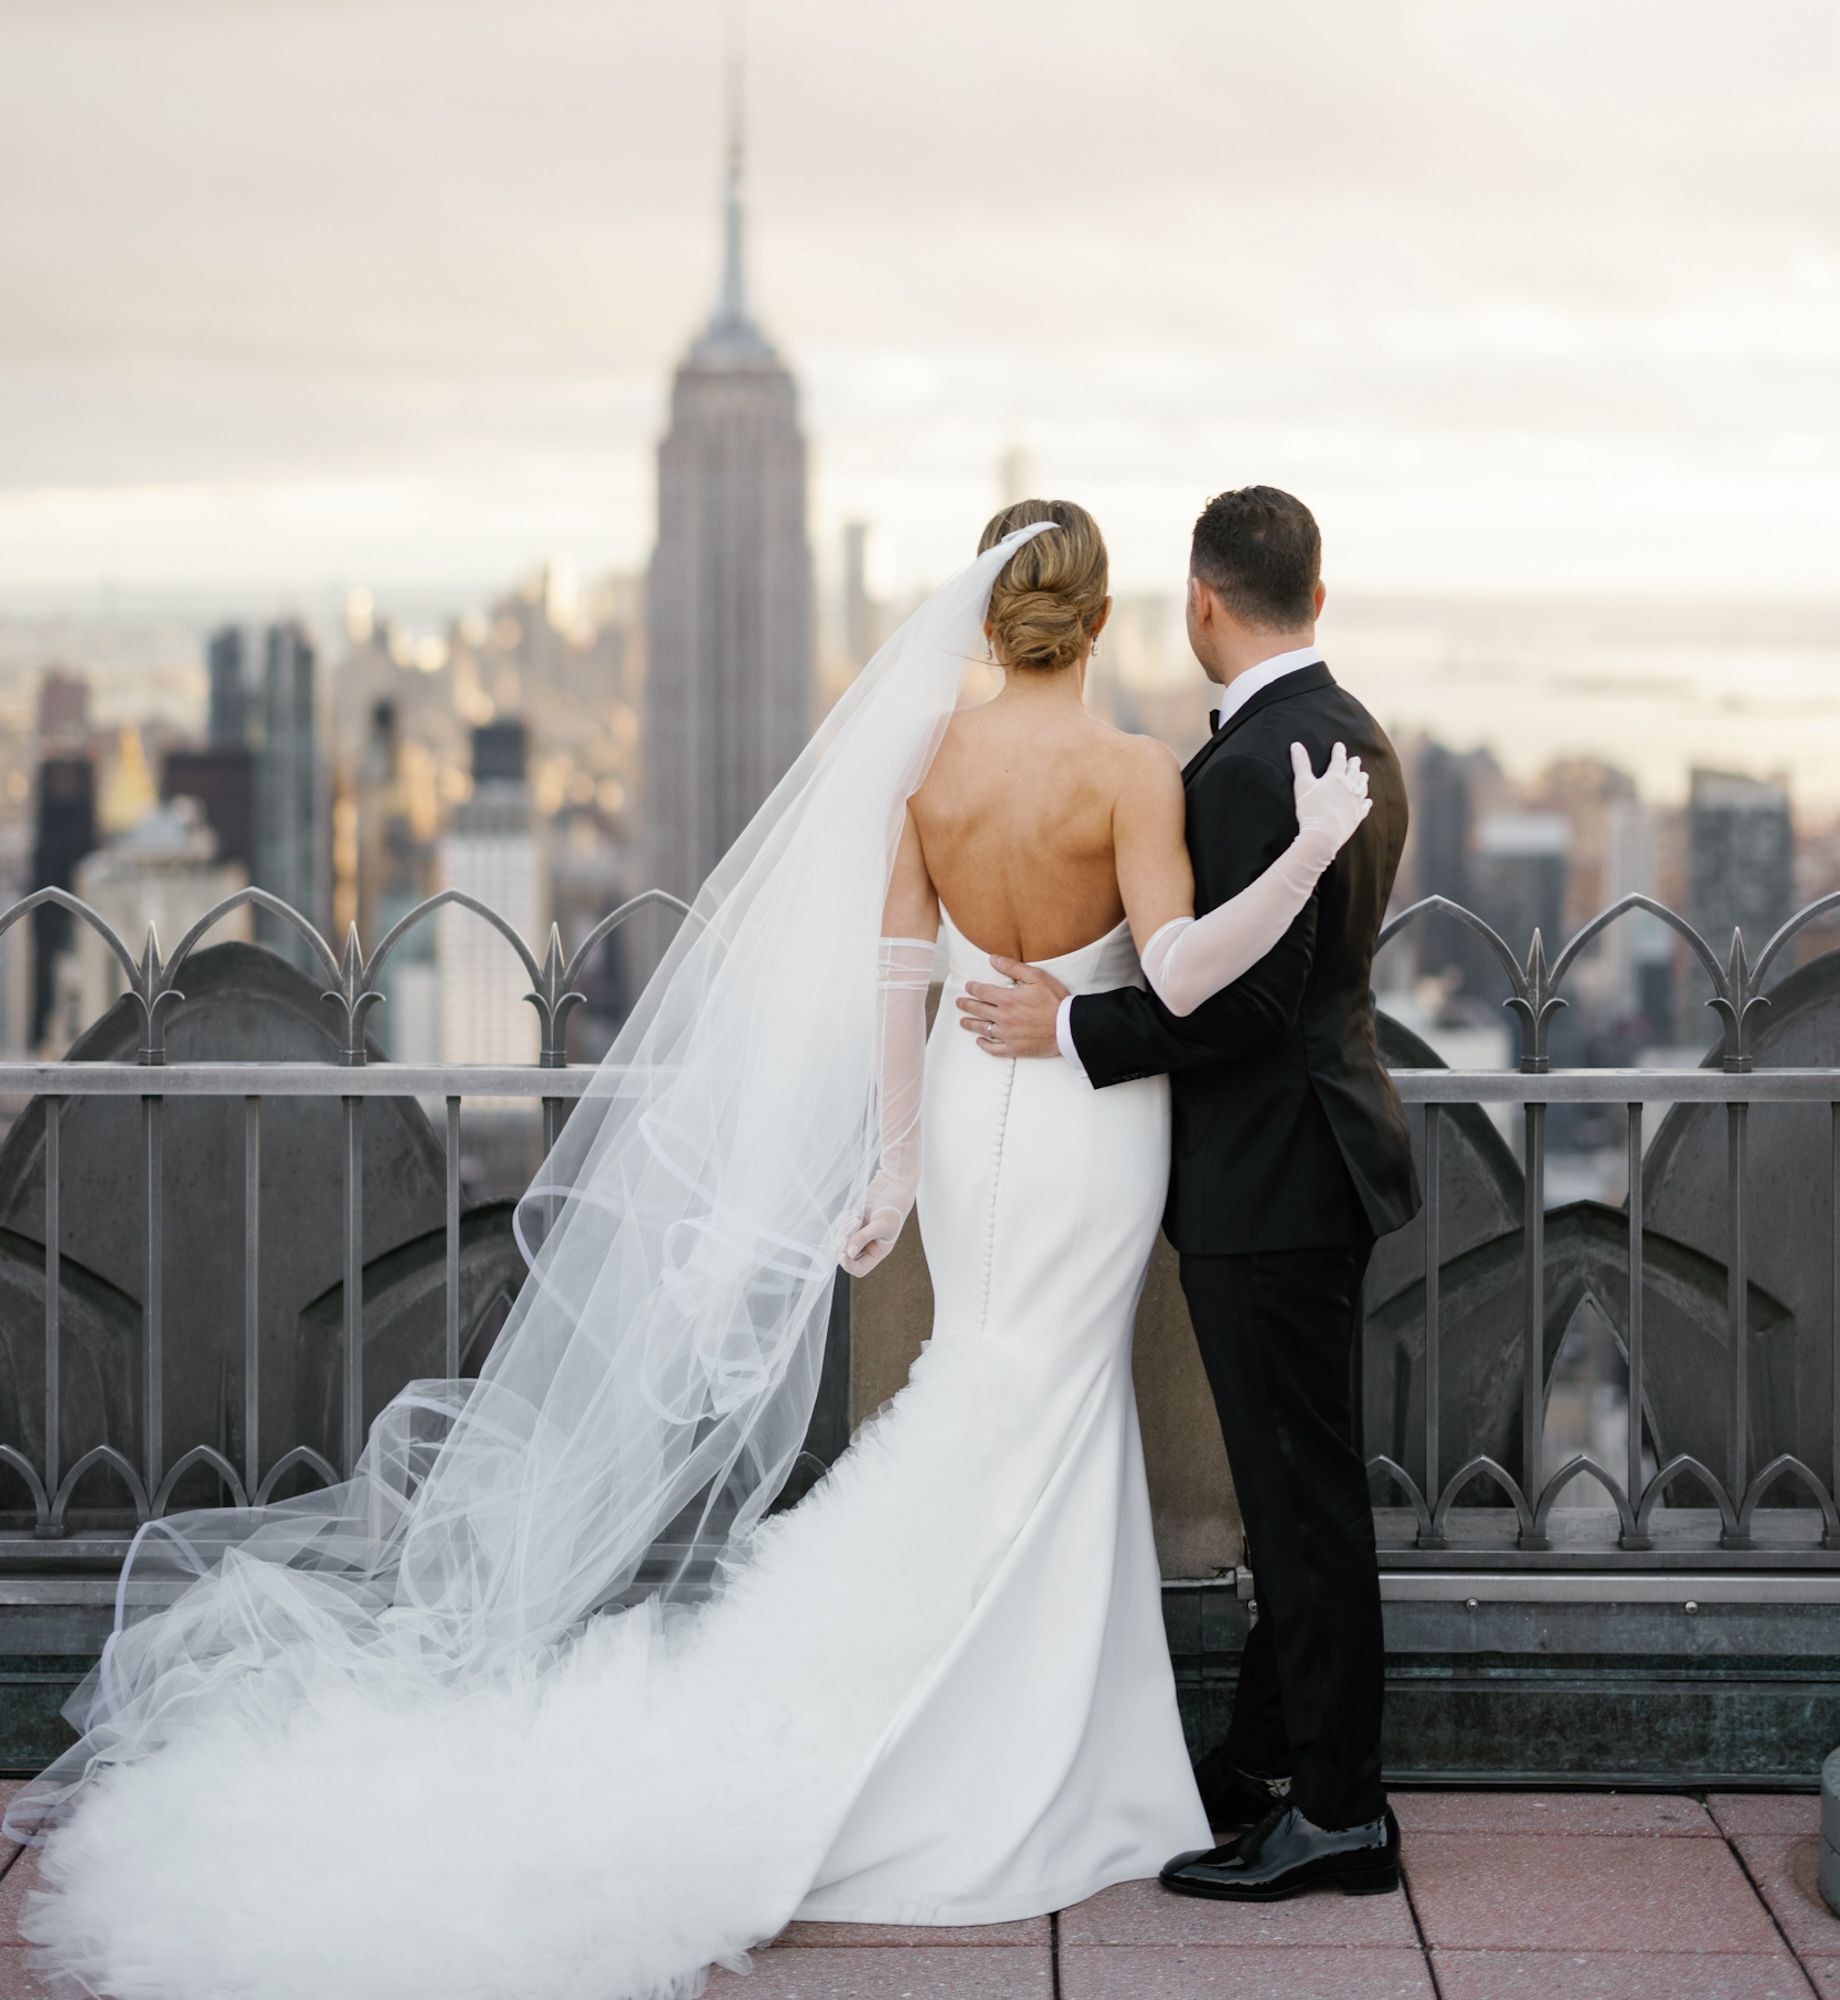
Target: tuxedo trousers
x: 1278, y: 1332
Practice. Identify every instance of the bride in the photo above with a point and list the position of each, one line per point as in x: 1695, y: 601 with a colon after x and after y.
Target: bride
x: 543, y: 1701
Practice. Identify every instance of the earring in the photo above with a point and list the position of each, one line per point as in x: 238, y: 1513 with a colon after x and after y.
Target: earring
x: 989, y: 651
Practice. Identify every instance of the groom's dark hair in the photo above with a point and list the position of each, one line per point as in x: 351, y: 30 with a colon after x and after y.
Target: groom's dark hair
x: 1260, y: 551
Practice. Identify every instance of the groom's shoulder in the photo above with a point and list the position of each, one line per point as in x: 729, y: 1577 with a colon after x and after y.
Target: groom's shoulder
x: 1266, y: 737
x: 1340, y: 716
x: 1318, y: 718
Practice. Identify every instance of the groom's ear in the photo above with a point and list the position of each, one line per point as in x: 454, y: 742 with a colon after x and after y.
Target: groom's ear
x: 1321, y: 597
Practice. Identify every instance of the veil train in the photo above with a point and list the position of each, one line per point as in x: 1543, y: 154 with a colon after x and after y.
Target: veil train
x: 654, y: 1381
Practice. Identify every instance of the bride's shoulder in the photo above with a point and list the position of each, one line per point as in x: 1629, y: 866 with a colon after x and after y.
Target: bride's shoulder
x: 1145, y: 760
x: 1146, y: 779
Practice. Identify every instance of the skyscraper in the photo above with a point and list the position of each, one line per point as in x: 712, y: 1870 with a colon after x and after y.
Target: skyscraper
x: 1016, y: 475
x: 16, y: 1005
x: 227, y: 654
x: 1637, y: 952
x: 729, y: 653
x: 492, y: 850
x: 292, y: 833
x: 221, y: 774
x: 1450, y: 790
x: 223, y: 781
x: 65, y: 823
x: 1740, y: 860
x: 1517, y: 869
x: 164, y: 871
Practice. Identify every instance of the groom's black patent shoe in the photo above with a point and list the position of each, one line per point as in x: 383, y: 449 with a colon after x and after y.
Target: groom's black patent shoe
x: 1232, y: 1797
x: 1286, y: 1854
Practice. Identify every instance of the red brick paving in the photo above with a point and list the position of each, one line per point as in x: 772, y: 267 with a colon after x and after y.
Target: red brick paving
x: 1031, y: 1930
x: 17, y: 1979
x: 1784, y: 1870
x: 1251, y: 1972
x: 1597, y: 1892
x: 1617, y: 1975
x: 20, y: 1876
x: 894, y: 1972
x: 1558, y: 1813
x: 1787, y: 1813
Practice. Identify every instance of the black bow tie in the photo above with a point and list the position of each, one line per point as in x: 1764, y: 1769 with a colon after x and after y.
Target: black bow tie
x: 1214, y: 723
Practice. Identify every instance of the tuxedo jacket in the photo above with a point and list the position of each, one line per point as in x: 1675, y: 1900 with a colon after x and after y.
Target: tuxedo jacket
x: 1287, y: 1130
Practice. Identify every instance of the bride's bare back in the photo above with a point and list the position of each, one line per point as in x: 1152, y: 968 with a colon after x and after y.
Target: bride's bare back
x: 1017, y: 820
x: 1037, y: 825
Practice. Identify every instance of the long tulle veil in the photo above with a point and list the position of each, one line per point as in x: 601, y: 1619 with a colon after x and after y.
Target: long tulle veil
x: 653, y: 1383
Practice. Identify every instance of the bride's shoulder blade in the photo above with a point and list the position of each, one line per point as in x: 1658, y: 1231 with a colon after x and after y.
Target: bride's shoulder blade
x: 1146, y: 764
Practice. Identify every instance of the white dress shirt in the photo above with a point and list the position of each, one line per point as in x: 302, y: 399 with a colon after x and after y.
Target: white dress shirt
x: 1233, y: 697
x: 1255, y: 680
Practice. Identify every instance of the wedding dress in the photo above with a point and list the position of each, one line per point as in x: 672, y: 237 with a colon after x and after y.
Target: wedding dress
x: 935, y: 1691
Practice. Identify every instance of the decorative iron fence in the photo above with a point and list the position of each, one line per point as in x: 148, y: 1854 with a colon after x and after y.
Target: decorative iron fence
x: 1461, y: 1334
x: 1739, y: 1529
x: 353, y: 1079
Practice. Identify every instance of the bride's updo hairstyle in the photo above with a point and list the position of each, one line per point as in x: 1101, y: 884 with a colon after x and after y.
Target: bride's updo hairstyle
x: 1047, y: 598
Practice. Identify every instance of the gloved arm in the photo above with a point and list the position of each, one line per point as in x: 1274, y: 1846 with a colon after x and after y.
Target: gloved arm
x: 904, y: 970
x: 1189, y: 959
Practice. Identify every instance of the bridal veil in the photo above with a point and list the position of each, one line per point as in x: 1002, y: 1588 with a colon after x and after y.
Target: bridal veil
x: 653, y: 1384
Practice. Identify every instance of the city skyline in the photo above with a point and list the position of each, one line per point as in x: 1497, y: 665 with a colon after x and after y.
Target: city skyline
x: 391, y: 294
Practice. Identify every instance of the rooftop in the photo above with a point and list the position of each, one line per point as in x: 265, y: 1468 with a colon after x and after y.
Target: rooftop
x: 1508, y: 1896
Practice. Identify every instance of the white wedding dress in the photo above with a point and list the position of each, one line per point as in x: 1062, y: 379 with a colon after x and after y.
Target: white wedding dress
x: 935, y: 1692
x: 1038, y: 1755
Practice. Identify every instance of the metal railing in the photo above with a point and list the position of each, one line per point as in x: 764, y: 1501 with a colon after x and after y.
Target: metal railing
x: 1434, y: 1527
x: 354, y: 989
x: 1739, y: 1492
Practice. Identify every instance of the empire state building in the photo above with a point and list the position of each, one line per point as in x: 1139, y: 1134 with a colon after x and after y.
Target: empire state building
x: 729, y: 606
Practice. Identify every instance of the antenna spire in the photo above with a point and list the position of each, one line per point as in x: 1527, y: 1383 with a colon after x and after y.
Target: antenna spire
x: 731, y: 335
x: 731, y: 307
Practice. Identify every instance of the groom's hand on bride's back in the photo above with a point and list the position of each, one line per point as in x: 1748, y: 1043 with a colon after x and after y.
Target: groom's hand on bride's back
x: 1015, y: 1020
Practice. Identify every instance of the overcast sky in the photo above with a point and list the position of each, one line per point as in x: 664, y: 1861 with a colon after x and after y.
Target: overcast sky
x: 1518, y: 295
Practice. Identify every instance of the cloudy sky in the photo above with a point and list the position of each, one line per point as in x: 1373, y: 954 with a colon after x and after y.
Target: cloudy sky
x: 1521, y: 294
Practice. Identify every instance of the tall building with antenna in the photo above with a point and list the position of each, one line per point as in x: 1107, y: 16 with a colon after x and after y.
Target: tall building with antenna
x: 728, y: 697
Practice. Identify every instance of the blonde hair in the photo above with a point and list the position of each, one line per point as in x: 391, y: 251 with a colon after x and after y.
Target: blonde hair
x: 1048, y: 596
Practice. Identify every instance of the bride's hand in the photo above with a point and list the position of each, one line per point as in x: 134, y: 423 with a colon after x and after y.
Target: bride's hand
x: 1329, y: 808
x: 878, y: 1225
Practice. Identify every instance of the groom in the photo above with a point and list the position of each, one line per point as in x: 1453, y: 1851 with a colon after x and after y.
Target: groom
x: 1290, y: 1158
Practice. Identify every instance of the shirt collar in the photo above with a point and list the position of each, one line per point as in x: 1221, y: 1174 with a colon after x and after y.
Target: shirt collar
x: 1240, y: 690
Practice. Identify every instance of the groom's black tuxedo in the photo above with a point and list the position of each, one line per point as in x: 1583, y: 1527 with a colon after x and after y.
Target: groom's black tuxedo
x: 1288, y: 1132
x: 1291, y: 1157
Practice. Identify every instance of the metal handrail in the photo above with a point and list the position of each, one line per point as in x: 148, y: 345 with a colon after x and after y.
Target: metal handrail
x: 388, y: 1079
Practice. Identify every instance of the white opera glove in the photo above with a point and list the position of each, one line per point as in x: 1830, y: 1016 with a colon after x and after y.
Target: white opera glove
x: 1190, y: 959
x: 1329, y: 808
x: 904, y: 970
